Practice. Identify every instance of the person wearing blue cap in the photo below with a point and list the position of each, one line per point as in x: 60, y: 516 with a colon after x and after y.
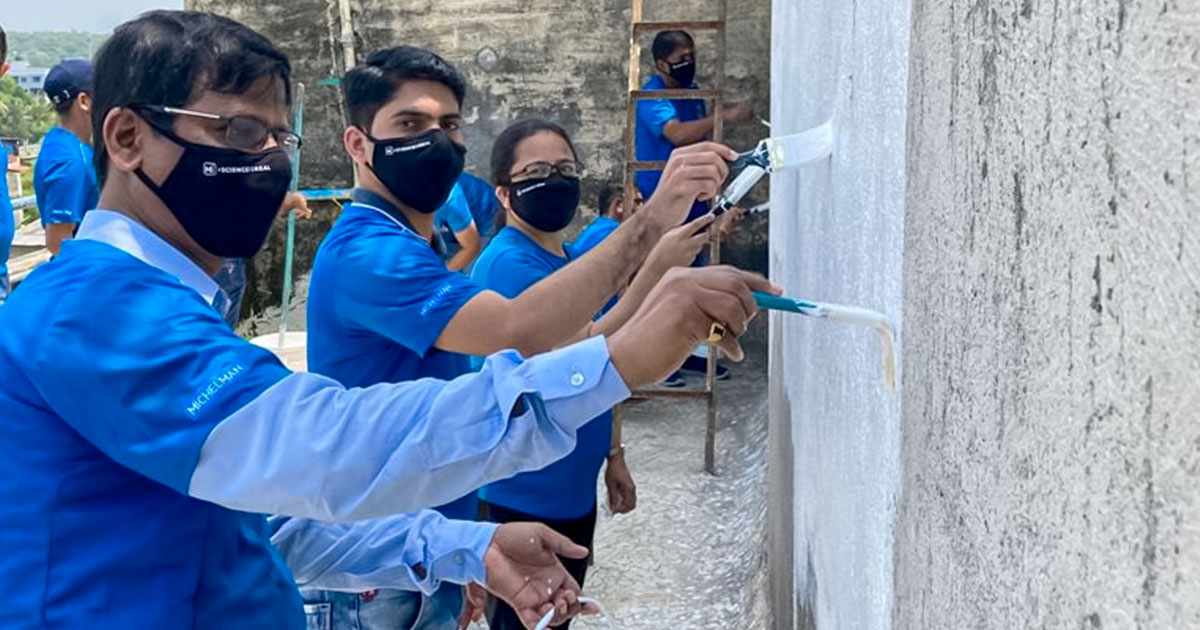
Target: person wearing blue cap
x: 7, y: 227
x: 143, y: 440
x: 64, y: 179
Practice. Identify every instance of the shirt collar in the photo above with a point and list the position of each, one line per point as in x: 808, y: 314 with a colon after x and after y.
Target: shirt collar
x: 135, y: 239
x: 364, y: 198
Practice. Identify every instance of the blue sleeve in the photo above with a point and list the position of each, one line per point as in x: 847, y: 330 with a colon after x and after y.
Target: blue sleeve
x: 148, y: 379
x: 513, y: 271
x: 66, y: 190
x: 398, y: 287
x: 408, y: 552
x: 455, y: 211
x: 656, y: 114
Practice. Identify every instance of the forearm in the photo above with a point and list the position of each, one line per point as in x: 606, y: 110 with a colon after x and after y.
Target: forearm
x: 461, y: 260
x: 690, y: 132
x: 56, y: 233
x: 310, y: 448
x: 406, y: 552
x: 631, y: 300
x: 556, y: 309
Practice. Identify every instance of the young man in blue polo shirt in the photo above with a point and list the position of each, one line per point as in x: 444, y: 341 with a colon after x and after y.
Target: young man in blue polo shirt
x: 149, y: 441
x: 63, y: 177
x: 7, y: 227
x: 383, y: 307
x: 664, y: 125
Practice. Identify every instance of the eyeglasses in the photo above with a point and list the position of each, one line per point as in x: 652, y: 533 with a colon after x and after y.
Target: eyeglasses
x: 244, y: 133
x: 542, y: 170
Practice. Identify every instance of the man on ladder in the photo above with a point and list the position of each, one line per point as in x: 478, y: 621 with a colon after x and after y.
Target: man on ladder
x: 663, y: 125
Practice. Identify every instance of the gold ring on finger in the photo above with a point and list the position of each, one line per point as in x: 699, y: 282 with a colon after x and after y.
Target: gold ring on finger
x: 716, y: 332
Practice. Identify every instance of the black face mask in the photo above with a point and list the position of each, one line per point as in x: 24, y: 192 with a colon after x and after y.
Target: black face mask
x: 419, y: 171
x: 226, y: 200
x: 546, y: 204
x: 683, y: 73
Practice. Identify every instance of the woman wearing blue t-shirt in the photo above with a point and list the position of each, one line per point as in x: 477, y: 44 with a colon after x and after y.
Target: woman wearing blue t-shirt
x: 536, y: 171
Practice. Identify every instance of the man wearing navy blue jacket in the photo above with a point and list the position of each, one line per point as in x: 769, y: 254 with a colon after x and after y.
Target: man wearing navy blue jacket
x: 148, y: 439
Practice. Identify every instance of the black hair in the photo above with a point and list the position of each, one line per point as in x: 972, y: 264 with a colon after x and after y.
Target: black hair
x: 159, y: 58
x: 666, y: 42
x: 3, y: 45
x: 504, y: 150
x: 368, y: 86
x: 61, y: 108
x: 609, y: 193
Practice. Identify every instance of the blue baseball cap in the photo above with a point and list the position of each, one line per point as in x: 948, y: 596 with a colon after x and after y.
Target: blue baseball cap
x: 67, y: 79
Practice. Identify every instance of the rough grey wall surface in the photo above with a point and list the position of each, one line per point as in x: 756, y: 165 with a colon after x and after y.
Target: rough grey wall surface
x: 1051, y: 445
x: 562, y: 60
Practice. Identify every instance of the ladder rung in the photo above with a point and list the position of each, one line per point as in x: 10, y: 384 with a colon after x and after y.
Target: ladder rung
x: 714, y: 25
x: 647, y: 166
x: 650, y: 394
x: 644, y: 95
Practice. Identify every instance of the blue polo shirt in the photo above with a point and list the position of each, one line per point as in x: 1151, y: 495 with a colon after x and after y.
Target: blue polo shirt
x: 378, y: 299
x: 565, y: 489
x: 64, y: 178
x: 652, y: 145
x: 593, y: 235
x: 7, y: 226
x: 453, y: 217
x: 100, y: 446
x: 481, y: 199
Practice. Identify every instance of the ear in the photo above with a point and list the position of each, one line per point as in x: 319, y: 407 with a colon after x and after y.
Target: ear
x: 85, y: 102
x: 124, y: 134
x: 358, y: 147
x: 505, y: 197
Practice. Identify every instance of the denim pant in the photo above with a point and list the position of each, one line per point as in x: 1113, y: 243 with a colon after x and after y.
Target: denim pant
x: 385, y: 609
x: 4, y: 287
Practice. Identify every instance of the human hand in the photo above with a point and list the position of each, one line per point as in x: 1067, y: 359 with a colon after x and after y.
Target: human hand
x: 696, y: 171
x: 731, y: 219
x: 737, y: 112
x: 474, y: 602
x: 295, y: 201
x: 679, y: 313
x: 679, y: 246
x: 622, y: 492
x: 523, y: 570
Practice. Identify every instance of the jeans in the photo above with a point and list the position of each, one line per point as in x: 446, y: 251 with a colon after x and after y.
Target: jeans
x: 4, y: 287
x: 232, y: 280
x: 384, y: 609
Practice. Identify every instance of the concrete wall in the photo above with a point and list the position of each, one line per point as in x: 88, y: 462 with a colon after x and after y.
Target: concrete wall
x: 562, y: 60
x: 836, y: 235
x: 1052, y: 316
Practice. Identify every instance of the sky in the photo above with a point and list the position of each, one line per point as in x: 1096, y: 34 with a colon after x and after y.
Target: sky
x: 93, y: 16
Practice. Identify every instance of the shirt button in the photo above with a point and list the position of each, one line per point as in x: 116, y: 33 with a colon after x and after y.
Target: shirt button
x: 577, y: 379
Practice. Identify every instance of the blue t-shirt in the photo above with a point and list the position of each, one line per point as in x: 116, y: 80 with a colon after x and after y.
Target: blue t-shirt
x: 378, y: 299
x: 651, y: 145
x: 7, y: 225
x: 101, y: 433
x: 481, y: 199
x: 565, y: 489
x: 453, y: 217
x: 593, y: 235
x: 64, y: 178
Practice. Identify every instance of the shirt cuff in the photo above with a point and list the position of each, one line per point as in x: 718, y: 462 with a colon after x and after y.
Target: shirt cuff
x: 457, y: 553
x: 575, y: 384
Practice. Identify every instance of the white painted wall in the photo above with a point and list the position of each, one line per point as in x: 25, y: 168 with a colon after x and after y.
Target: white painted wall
x: 837, y: 235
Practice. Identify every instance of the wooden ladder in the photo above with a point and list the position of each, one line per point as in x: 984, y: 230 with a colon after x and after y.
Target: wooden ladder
x: 638, y: 28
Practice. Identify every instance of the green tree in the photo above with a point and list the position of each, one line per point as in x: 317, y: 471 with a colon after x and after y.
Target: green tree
x: 44, y: 49
x: 23, y: 115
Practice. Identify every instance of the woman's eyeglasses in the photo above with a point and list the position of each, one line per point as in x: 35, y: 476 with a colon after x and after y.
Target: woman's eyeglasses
x: 542, y: 170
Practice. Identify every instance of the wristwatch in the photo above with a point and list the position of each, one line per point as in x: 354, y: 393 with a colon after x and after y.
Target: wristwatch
x: 617, y: 451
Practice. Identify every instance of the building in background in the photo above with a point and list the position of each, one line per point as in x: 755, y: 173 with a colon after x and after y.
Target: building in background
x: 28, y: 78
